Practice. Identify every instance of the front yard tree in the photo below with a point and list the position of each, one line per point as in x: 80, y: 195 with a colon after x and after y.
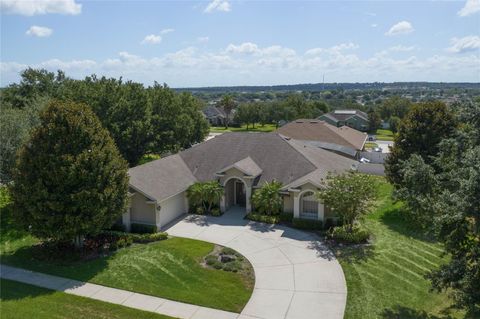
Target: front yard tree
x: 349, y: 195
x: 70, y: 180
x: 267, y: 200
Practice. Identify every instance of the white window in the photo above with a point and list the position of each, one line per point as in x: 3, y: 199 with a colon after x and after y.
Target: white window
x: 309, y: 207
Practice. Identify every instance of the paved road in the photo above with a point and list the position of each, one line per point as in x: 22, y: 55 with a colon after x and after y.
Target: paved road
x: 384, y: 145
x: 296, y: 276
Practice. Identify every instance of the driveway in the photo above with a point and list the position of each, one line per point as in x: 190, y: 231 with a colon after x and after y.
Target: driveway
x: 384, y: 145
x: 296, y: 276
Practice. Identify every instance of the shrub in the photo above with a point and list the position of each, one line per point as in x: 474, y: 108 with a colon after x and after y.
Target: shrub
x: 200, y: 210
x: 329, y: 223
x: 286, y: 217
x: 269, y: 219
x: 356, y: 235
x: 143, y: 228
x: 148, y: 238
x: 267, y: 200
x: 216, y: 212
x: 310, y: 224
x: 118, y: 227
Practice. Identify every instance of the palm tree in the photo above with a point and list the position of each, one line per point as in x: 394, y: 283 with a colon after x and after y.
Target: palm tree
x: 213, y: 192
x: 267, y: 200
x: 195, y: 195
x: 227, y: 104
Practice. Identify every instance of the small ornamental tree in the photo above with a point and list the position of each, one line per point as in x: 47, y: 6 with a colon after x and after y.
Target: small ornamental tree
x: 69, y: 180
x: 349, y: 195
x: 267, y: 200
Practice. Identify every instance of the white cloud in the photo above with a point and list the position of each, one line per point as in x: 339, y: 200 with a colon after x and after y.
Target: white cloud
x: 333, y: 50
x: 401, y: 48
x: 41, y: 32
x: 37, y: 7
x: 203, y: 39
x: 265, y: 66
x: 403, y: 27
x: 374, y: 25
x: 165, y: 31
x: 471, y: 7
x: 151, y: 39
x: 465, y: 44
x: 218, y: 5
x: 245, y: 48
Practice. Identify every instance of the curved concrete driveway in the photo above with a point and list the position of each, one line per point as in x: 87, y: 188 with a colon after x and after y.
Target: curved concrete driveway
x: 296, y: 276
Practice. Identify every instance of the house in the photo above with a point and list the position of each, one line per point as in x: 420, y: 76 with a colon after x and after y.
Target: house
x: 241, y: 163
x: 341, y: 140
x: 216, y: 116
x: 352, y: 118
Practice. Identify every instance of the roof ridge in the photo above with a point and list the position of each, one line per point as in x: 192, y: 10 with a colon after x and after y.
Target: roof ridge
x: 335, y: 130
x: 289, y: 144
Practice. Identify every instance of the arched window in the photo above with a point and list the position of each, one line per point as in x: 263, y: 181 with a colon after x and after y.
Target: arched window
x: 309, y: 205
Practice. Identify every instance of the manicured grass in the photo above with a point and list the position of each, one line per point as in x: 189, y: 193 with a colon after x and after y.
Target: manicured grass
x: 243, y: 128
x: 386, y: 279
x: 384, y: 135
x: 20, y: 300
x: 170, y: 268
x: 371, y: 145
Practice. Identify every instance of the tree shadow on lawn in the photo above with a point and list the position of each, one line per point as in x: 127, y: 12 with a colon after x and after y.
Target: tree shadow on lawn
x: 353, y: 253
x: 14, y: 290
x: 401, y: 312
x: 67, y: 264
x: 396, y: 219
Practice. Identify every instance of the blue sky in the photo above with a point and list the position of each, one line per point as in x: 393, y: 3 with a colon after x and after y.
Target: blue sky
x: 223, y: 42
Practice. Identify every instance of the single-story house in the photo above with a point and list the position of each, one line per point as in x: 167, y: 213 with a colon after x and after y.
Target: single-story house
x: 343, y: 140
x: 241, y: 163
x: 352, y: 118
x: 216, y: 116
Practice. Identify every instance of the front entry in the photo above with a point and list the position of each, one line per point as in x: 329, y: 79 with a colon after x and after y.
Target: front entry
x: 235, y: 193
x: 240, y: 196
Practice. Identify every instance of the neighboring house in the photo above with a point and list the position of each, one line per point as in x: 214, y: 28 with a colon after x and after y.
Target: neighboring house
x: 352, y: 118
x: 241, y: 163
x: 216, y: 116
x: 342, y: 140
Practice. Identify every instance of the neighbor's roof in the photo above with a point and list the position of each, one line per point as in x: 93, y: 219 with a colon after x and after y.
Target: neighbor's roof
x: 161, y: 179
x: 317, y: 130
x: 342, y: 115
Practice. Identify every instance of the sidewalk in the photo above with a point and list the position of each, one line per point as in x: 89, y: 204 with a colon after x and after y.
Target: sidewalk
x: 115, y: 296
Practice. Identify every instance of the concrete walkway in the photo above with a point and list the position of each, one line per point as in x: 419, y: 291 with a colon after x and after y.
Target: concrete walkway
x: 296, y: 276
x: 117, y: 296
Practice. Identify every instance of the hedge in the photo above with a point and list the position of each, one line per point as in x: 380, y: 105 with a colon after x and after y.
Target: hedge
x: 310, y: 224
x: 143, y: 228
x: 269, y: 219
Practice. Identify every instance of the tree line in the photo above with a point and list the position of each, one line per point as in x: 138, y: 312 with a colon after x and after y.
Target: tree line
x: 434, y: 167
x: 141, y: 120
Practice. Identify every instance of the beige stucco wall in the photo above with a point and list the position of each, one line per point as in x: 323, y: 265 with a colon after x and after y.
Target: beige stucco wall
x: 288, y: 203
x: 172, y: 208
x: 140, y: 210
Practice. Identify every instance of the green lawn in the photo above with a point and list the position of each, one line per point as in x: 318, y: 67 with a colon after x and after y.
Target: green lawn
x: 384, y: 135
x: 19, y: 300
x: 386, y: 279
x: 243, y: 128
x: 371, y: 145
x: 170, y: 269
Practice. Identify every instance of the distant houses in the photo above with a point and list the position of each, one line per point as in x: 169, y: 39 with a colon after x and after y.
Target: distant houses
x: 216, y: 116
x: 352, y: 118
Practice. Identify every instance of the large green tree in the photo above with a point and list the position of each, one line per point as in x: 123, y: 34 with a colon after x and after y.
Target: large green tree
x: 444, y: 196
x: 420, y: 132
x: 70, y: 179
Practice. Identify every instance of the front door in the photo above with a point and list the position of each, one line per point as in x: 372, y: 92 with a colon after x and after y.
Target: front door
x: 240, y: 196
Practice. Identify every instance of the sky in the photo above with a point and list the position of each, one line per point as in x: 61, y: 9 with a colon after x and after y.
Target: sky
x: 225, y: 43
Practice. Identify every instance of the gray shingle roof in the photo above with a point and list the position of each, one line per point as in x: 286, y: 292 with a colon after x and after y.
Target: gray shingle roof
x: 277, y: 159
x: 162, y: 178
x: 266, y: 155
